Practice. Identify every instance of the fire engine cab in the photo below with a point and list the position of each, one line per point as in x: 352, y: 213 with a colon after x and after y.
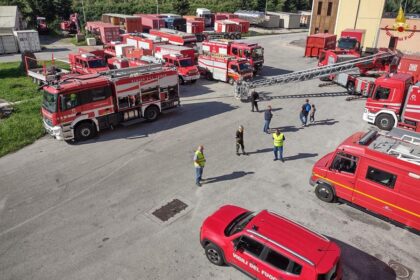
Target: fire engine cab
x: 268, y: 246
x: 85, y: 63
x: 378, y: 172
x: 394, y: 101
x: 76, y: 107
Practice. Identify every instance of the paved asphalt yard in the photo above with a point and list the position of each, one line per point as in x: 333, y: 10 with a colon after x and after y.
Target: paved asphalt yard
x: 84, y: 211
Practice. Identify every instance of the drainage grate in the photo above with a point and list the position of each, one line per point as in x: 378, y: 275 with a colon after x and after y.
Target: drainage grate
x: 169, y: 210
x: 402, y: 272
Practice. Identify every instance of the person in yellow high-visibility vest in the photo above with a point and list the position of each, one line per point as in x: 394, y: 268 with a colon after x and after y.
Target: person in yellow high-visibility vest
x: 199, y: 162
x: 278, y: 145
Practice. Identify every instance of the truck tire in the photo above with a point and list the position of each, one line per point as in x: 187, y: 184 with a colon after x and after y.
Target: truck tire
x: 238, y: 36
x: 232, y: 36
x: 214, y: 254
x: 151, y: 113
x: 325, y: 192
x: 385, y: 122
x: 350, y: 88
x: 226, y: 36
x: 84, y: 131
x: 231, y: 81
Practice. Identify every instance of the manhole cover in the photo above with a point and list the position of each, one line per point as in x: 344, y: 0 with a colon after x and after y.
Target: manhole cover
x: 402, y: 272
x: 169, y: 210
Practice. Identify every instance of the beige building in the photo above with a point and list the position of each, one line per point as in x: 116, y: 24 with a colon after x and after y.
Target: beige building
x: 360, y: 14
x: 408, y: 37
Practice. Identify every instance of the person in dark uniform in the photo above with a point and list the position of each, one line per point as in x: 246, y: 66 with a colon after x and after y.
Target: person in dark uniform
x: 255, y: 97
x: 240, y: 140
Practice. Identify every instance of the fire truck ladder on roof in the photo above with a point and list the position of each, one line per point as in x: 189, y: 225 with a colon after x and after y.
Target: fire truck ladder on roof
x: 405, y: 155
x: 134, y: 71
x: 242, y: 88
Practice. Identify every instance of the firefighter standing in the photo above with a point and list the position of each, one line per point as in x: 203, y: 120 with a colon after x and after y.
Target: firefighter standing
x: 240, y: 140
x: 199, y: 162
x: 278, y: 145
x: 255, y: 97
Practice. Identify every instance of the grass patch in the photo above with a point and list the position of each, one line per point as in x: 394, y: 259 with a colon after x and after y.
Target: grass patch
x: 24, y: 125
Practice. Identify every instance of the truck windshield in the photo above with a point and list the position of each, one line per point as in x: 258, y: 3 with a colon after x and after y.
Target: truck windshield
x: 244, y: 67
x: 49, y: 102
x: 96, y: 63
x: 239, y: 223
x: 185, y: 62
x: 257, y: 53
x: 347, y: 43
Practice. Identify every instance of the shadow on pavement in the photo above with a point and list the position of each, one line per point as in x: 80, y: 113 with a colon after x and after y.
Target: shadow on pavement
x: 260, y: 151
x: 358, y: 265
x: 323, y: 122
x: 268, y: 71
x: 300, y: 156
x: 186, y: 114
x: 288, y: 128
x: 232, y: 176
x: 197, y: 89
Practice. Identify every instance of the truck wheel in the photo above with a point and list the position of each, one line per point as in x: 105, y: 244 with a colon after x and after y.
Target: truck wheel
x: 325, y: 192
x: 231, y: 81
x: 232, y: 36
x: 84, y: 131
x: 350, y: 88
x: 214, y: 254
x: 193, y: 81
x: 151, y: 113
x: 385, y: 122
x: 238, y: 36
x: 226, y: 36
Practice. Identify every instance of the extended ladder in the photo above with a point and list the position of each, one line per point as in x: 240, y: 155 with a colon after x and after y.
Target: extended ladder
x: 133, y: 71
x: 242, y: 88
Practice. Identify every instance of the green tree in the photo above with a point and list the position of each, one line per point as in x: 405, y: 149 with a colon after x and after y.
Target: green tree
x: 181, y: 6
x: 409, y: 6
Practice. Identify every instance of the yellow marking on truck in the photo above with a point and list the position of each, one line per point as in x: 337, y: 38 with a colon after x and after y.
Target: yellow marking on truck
x: 370, y: 196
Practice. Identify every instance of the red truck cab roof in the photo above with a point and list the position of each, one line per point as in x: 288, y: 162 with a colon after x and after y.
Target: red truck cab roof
x: 72, y: 83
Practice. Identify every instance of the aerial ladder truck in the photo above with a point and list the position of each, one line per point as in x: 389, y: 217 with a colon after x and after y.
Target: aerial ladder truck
x: 243, y: 89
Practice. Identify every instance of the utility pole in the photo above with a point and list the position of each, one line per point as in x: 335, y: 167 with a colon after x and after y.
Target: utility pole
x: 266, y: 1
x: 157, y: 6
x: 83, y: 10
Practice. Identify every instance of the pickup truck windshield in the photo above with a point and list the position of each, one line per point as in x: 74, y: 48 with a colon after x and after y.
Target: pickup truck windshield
x: 97, y: 63
x: 347, y: 43
x: 239, y: 223
x: 49, y: 102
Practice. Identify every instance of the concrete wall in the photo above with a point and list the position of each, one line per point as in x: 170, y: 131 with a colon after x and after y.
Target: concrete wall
x: 409, y: 40
x: 360, y: 14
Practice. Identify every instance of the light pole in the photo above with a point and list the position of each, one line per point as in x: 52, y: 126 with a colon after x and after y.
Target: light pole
x: 157, y: 6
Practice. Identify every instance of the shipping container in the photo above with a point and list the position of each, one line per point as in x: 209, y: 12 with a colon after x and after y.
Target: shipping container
x: 133, y: 25
x: 320, y: 41
x: 28, y: 40
x: 227, y: 26
x: 106, y: 32
x: 243, y: 23
x: 410, y: 64
x: 8, y: 44
x: 151, y: 22
x: 195, y: 27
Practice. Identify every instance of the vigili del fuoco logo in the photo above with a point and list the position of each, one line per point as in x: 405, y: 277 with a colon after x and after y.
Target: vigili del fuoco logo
x: 401, y: 28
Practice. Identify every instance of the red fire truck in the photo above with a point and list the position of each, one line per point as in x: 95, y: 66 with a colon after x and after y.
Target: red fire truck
x: 395, y: 101
x: 378, y: 172
x: 182, y: 58
x: 224, y: 68
x: 85, y: 63
x: 78, y: 106
x: 250, y: 51
x: 144, y: 41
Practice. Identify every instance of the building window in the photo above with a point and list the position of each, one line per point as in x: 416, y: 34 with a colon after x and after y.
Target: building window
x: 325, y: 30
x: 316, y: 30
x: 319, y: 7
x: 381, y: 177
x: 329, y: 8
